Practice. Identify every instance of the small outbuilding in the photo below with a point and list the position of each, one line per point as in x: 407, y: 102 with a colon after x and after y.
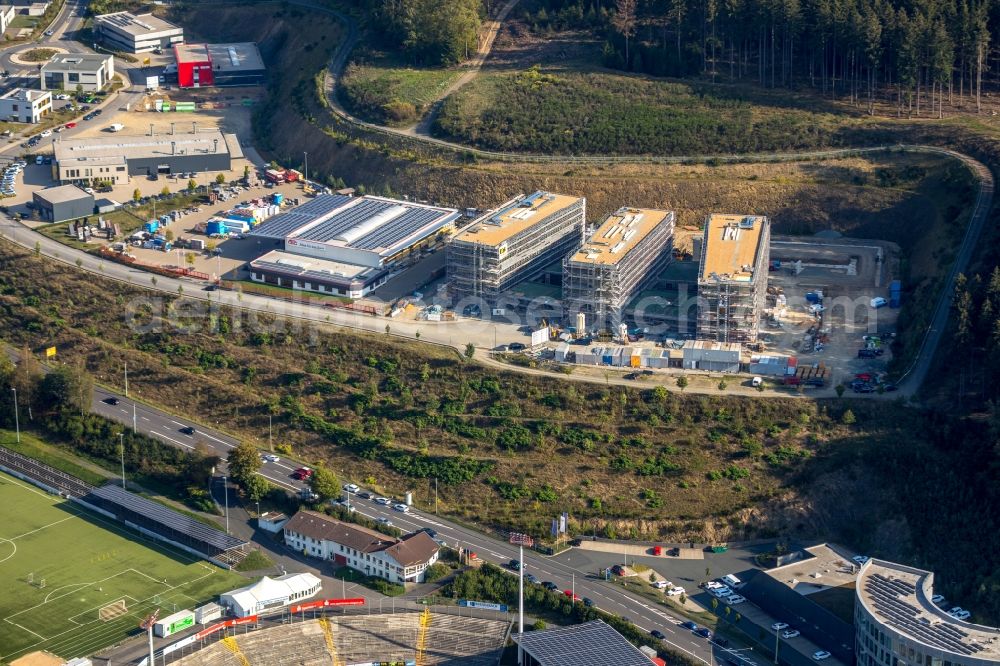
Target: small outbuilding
x: 63, y: 202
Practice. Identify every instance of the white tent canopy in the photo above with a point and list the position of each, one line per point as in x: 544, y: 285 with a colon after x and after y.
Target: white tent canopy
x: 270, y: 593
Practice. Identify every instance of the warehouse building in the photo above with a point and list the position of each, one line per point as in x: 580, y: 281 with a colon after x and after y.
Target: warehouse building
x: 270, y: 593
x: 219, y: 65
x: 512, y: 244
x: 593, y: 643
x: 21, y: 105
x: 623, y: 256
x: 897, y: 623
x: 732, y: 277
x: 88, y: 71
x: 345, y: 245
x: 63, y: 202
x: 115, y: 158
x: 124, y: 31
x: 403, y: 560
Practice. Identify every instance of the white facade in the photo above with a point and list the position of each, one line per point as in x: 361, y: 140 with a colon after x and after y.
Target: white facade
x: 67, y: 71
x: 21, y: 105
x: 271, y: 593
x: 7, y: 13
x: 137, y: 33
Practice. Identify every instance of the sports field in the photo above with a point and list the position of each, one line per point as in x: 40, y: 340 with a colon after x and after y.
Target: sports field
x: 72, y: 582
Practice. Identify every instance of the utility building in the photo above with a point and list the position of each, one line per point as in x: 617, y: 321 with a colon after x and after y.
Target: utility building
x: 219, y: 65
x: 514, y: 243
x: 626, y: 253
x: 133, y: 33
x: 88, y: 71
x: 732, y: 277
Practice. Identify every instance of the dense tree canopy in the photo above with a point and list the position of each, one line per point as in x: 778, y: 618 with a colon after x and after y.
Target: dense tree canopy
x: 912, y: 48
x: 431, y: 32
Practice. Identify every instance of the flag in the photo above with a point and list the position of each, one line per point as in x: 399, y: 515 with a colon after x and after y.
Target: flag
x: 562, y: 524
x: 555, y: 527
x: 50, y: 352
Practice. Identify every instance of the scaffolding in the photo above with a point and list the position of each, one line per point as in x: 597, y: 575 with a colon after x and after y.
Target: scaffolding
x: 606, y: 273
x: 732, y: 282
x: 506, y: 247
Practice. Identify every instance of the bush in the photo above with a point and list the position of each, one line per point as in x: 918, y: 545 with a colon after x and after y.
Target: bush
x: 436, y: 571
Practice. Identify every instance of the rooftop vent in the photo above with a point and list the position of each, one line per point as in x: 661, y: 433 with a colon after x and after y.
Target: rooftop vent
x: 747, y: 222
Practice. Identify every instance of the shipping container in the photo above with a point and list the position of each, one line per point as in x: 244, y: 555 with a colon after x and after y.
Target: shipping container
x: 173, y: 624
x: 151, y: 226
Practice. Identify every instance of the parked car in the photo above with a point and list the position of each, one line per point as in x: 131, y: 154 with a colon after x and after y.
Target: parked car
x: 588, y: 602
x: 734, y: 599
x: 514, y: 565
x: 778, y: 626
x: 351, y: 488
x: 938, y: 599
x: 550, y: 586
x: 569, y: 593
x: 384, y: 521
x: 820, y: 655
x: 366, y: 495
x: 675, y: 591
x: 517, y: 346
x: 791, y: 633
x: 661, y: 584
x: 402, y: 508
x: 689, y: 625
x: 531, y: 578
x: 383, y: 500
x: 704, y: 633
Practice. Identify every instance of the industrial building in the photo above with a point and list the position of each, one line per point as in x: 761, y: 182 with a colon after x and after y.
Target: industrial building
x: 21, y: 105
x: 345, y: 245
x: 219, y: 65
x: 594, y: 643
x: 86, y: 71
x: 63, y: 202
x: 114, y: 158
x: 622, y: 257
x: 402, y: 560
x: 897, y: 623
x: 7, y: 13
x: 513, y: 243
x: 732, y: 277
x: 124, y: 31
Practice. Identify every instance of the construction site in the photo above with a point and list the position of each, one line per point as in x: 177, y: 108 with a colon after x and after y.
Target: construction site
x: 625, y: 254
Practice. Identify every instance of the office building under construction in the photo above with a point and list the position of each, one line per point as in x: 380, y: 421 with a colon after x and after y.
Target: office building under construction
x: 732, y: 277
x: 623, y: 257
x: 512, y: 244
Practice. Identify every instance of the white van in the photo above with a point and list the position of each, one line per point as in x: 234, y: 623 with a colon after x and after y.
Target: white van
x: 117, y: 127
x: 731, y: 581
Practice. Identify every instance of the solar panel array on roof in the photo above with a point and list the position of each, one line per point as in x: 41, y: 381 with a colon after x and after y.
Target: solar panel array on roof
x: 396, y: 228
x: 281, y: 226
x: 153, y: 511
x: 593, y: 643
x: 903, y: 615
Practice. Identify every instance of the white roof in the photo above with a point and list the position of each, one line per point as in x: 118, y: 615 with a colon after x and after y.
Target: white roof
x: 272, y: 589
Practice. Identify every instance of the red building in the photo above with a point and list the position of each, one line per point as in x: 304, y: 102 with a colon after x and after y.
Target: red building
x: 194, y: 66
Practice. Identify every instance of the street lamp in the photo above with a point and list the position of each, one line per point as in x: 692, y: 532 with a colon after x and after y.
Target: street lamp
x: 225, y: 491
x: 17, y: 423
x: 521, y: 540
x: 121, y: 444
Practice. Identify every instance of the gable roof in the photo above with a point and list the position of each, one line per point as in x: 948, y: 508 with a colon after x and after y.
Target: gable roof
x: 324, y: 528
x: 413, y: 549
x: 410, y: 550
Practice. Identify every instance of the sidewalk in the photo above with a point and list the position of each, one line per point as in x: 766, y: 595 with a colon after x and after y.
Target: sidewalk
x: 640, y: 551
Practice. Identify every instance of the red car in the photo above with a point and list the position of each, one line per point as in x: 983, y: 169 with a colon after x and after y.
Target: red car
x: 302, y: 473
x: 70, y: 125
x: 569, y: 593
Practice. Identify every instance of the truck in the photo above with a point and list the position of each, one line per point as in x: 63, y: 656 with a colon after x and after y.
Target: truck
x: 116, y: 127
x: 173, y: 624
x: 274, y: 176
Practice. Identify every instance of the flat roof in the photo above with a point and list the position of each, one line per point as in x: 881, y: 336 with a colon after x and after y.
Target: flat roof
x: 732, y: 243
x: 117, y: 146
x: 191, y: 53
x: 376, y: 224
x: 62, y: 194
x: 827, y: 568
x: 25, y: 94
x: 593, y: 643
x: 77, y: 62
x: 235, y: 57
x: 900, y: 597
x: 297, y: 265
x: 713, y: 345
x: 515, y: 216
x: 137, y: 25
x: 620, y: 232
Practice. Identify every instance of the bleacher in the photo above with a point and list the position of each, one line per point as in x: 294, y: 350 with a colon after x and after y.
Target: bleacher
x: 362, y: 638
x: 50, y: 476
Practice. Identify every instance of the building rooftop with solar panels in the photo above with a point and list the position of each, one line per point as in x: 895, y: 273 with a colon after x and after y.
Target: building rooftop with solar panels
x: 365, y: 231
x: 897, y: 622
x: 593, y: 643
x: 136, y: 33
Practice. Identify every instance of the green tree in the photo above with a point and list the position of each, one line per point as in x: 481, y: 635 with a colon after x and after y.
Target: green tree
x: 722, y: 385
x: 221, y: 178
x: 848, y: 418
x: 136, y: 194
x: 470, y: 350
x: 189, y: 258
x: 244, y: 463
x: 257, y: 487
x: 67, y: 387
x: 439, y: 31
x: 192, y: 185
x: 165, y: 191
x: 324, y: 483
x: 682, y: 382
x: 839, y: 388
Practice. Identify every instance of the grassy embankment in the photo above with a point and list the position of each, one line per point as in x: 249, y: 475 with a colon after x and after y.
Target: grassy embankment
x: 382, y: 91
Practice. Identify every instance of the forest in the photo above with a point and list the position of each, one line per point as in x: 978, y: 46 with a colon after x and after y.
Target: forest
x: 428, y: 32
x: 911, y: 53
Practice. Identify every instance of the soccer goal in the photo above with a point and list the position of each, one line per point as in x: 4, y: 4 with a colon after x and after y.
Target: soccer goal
x: 113, y: 610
